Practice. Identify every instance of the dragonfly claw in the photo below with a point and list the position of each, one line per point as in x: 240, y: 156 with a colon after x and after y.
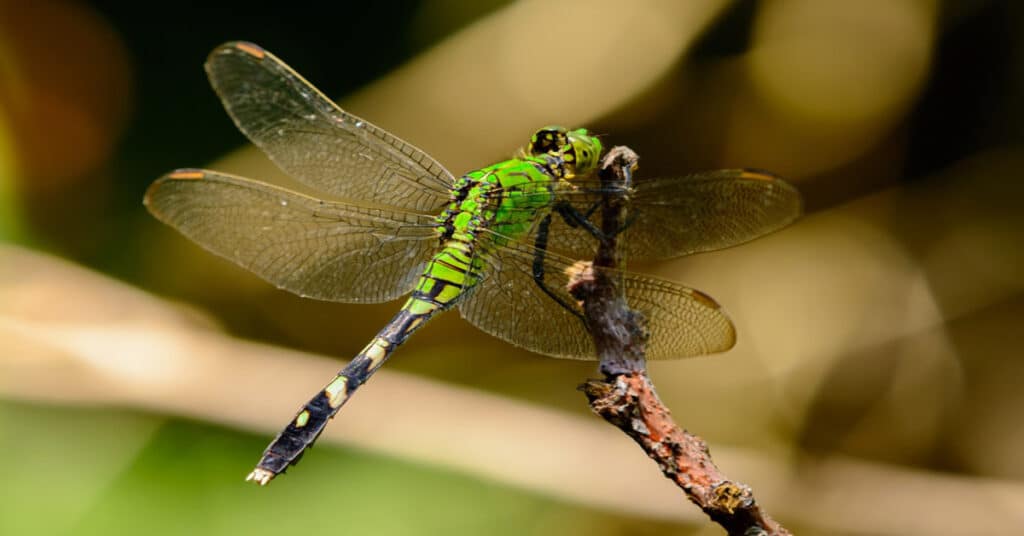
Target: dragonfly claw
x: 260, y: 476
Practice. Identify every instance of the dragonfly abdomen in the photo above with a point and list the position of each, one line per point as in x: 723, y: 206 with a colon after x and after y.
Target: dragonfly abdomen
x: 447, y: 274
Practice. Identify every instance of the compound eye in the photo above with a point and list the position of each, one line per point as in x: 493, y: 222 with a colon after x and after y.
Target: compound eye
x: 548, y: 140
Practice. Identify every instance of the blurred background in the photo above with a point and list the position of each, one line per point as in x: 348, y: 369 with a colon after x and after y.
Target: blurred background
x: 875, y: 387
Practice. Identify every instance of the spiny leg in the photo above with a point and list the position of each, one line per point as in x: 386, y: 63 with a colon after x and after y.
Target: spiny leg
x: 575, y: 218
x: 541, y: 244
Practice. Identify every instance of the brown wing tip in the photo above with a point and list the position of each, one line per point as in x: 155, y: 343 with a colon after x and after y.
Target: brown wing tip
x: 758, y: 175
x: 238, y: 47
x: 762, y: 175
x: 190, y: 174
x: 728, y: 340
x: 251, y: 49
x: 704, y: 299
x: 186, y: 174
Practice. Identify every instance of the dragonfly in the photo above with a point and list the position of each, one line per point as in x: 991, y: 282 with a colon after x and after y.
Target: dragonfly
x: 498, y: 242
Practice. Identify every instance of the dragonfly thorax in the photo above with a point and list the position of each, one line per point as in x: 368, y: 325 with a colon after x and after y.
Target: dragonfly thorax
x: 507, y: 198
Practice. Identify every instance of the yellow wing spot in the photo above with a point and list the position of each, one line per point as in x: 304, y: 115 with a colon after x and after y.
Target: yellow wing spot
x: 251, y: 50
x: 337, y: 391
x: 190, y: 174
x: 302, y: 419
x: 756, y: 175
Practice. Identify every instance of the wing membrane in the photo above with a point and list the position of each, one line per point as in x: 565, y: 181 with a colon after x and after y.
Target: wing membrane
x: 509, y: 304
x: 678, y: 216
x: 317, y: 249
x: 314, y: 140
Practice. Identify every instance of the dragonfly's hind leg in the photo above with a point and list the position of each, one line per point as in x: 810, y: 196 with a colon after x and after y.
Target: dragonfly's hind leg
x: 541, y: 245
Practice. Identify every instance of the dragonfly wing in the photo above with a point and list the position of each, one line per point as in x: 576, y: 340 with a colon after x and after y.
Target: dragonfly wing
x: 708, y: 211
x: 317, y: 142
x: 313, y: 248
x: 671, y: 217
x: 684, y: 322
x: 509, y: 304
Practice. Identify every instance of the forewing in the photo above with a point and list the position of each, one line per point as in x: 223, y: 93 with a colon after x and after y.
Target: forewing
x: 707, y: 212
x: 510, y: 305
x: 317, y: 249
x: 671, y: 217
x: 314, y: 140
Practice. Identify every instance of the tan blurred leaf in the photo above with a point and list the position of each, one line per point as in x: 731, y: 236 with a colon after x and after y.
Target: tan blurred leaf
x: 75, y: 337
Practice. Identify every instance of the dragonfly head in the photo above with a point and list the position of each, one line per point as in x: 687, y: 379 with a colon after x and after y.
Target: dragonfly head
x: 585, y: 151
x: 579, y: 151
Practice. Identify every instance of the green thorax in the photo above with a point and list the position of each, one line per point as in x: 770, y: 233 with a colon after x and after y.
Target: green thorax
x: 498, y: 204
x: 506, y: 198
x: 510, y: 197
x: 487, y: 207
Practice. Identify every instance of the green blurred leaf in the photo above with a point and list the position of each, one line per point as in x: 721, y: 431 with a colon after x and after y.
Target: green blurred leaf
x: 85, y: 472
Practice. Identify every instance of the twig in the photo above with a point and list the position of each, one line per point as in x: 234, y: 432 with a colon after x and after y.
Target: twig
x: 626, y: 397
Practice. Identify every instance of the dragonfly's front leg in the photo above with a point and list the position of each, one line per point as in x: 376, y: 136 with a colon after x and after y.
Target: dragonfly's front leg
x: 575, y: 218
x: 541, y: 245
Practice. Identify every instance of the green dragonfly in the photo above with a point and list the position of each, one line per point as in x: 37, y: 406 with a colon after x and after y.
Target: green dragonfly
x: 497, y: 242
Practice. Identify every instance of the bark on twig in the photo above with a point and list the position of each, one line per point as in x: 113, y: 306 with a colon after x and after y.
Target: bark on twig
x: 626, y: 397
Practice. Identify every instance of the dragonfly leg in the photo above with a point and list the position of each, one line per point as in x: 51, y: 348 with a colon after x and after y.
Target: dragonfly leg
x: 541, y: 244
x: 575, y: 218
